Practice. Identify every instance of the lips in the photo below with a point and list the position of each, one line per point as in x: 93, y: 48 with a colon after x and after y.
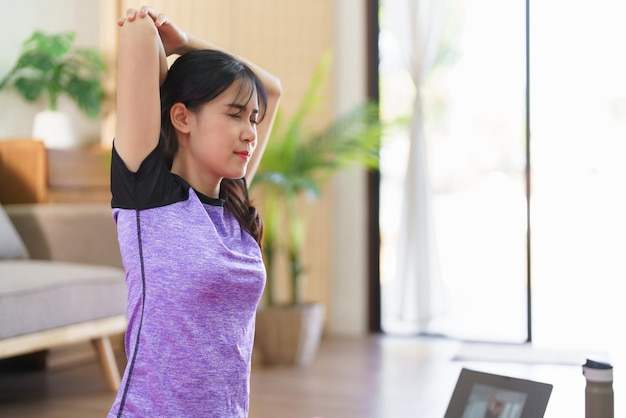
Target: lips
x: 243, y: 154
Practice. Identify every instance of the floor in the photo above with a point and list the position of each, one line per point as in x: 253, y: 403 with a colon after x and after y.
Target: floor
x: 368, y: 377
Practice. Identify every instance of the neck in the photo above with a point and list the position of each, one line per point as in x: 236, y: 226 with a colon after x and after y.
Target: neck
x: 203, y: 184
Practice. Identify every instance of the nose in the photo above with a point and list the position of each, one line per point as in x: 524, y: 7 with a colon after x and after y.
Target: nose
x: 248, y: 134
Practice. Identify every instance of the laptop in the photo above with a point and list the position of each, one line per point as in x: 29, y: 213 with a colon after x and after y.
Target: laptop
x: 485, y: 395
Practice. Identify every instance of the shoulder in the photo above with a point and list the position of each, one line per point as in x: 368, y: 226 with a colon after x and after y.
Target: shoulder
x: 152, y: 185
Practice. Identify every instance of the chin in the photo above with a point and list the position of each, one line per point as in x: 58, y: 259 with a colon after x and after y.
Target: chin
x: 236, y: 176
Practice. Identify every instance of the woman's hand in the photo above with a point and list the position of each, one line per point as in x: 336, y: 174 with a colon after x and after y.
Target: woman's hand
x: 174, y: 39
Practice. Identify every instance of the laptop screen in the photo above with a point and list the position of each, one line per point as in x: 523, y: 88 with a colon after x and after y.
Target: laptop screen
x: 485, y: 395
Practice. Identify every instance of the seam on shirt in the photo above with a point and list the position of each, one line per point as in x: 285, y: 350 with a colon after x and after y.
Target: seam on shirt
x: 143, y: 299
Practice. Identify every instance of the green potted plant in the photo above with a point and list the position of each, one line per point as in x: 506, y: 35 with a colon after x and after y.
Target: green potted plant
x: 49, y: 66
x: 296, y: 163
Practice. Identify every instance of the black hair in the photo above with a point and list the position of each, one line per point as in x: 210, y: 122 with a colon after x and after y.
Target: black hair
x: 194, y: 79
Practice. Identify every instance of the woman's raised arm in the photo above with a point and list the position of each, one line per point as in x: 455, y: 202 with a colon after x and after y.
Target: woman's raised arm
x: 142, y: 66
x: 146, y: 46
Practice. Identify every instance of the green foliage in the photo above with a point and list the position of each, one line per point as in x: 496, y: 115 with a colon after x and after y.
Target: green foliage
x: 297, y: 161
x: 48, y: 64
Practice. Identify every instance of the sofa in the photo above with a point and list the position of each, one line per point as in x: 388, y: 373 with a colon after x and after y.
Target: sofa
x: 61, y: 280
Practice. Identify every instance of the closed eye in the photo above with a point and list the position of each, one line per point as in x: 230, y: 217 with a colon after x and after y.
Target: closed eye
x: 253, y: 120
x: 241, y: 109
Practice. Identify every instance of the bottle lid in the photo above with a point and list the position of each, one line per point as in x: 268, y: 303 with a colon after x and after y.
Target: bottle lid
x: 598, y: 371
x: 597, y: 364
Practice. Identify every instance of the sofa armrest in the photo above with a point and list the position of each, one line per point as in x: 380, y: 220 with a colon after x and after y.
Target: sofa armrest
x: 80, y: 232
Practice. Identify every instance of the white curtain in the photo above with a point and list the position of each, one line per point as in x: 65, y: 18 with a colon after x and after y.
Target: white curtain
x: 415, y: 296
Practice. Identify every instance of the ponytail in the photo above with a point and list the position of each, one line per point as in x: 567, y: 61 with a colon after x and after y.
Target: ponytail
x: 235, y: 192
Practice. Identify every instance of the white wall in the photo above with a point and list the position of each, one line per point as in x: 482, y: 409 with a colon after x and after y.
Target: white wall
x: 349, y: 284
x: 18, y: 20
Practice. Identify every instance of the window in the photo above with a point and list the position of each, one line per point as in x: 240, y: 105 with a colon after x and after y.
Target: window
x: 578, y: 204
x: 475, y: 115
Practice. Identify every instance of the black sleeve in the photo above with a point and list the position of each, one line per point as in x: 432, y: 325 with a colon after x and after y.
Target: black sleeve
x: 151, y: 186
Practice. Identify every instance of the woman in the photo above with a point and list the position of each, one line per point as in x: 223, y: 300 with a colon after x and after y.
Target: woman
x: 187, y: 140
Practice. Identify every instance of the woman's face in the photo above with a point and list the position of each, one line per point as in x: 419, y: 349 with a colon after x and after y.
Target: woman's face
x: 222, y: 135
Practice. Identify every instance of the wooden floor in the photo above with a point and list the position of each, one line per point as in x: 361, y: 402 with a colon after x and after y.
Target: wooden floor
x: 369, y: 377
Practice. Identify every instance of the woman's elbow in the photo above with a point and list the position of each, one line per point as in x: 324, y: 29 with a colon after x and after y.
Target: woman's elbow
x: 274, y: 88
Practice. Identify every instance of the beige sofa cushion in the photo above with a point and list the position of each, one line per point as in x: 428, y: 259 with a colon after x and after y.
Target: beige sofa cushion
x: 38, y: 295
x: 11, y: 245
x: 68, y: 232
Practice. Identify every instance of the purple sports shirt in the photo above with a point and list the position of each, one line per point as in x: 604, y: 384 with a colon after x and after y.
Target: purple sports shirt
x: 194, y: 279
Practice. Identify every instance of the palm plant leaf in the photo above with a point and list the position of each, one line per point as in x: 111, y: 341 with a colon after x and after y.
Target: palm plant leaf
x: 311, y: 99
x: 297, y: 159
x: 352, y: 139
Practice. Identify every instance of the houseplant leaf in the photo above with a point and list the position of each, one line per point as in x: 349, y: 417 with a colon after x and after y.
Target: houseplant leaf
x: 48, y: 64
x: 298, y: 159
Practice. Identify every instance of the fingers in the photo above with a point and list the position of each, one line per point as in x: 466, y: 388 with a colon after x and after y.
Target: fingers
x: 132, y: 14
x: 160, y: 19
x: 147, y: 11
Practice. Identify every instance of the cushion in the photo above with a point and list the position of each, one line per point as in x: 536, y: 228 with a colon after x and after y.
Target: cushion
x: 37, y: 295
x: 11, y: 245
x: 23, y: 170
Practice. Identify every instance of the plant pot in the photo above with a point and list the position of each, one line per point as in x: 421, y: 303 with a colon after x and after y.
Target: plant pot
x: 54, y: 128
x: 289, y: 335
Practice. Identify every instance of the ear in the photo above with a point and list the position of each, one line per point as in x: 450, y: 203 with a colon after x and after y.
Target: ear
x: 179, y: 115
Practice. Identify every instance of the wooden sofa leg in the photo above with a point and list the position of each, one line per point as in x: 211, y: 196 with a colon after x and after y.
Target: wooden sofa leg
x: 107, y: 362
